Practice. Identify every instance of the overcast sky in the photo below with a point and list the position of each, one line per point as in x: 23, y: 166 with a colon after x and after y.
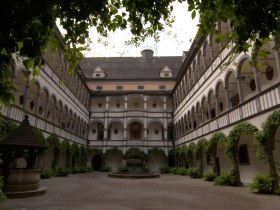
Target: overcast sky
x: 172, y: 41
x: 171, y: 44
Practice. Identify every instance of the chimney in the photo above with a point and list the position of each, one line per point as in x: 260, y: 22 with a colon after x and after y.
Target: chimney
x: 147, y: 54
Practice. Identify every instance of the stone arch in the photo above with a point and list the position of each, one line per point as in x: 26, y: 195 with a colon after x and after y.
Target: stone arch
x: 212, y: 148
x: 266, y: 142
x: 115, y: 129
x: 232, y: 147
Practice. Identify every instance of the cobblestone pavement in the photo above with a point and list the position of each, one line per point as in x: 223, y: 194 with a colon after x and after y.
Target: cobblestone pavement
x: 97, y: 191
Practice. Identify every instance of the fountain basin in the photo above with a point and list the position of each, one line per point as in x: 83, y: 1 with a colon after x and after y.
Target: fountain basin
x: 128, y: 175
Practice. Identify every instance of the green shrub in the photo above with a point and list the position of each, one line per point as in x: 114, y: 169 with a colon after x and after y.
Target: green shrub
x: 226, y: 179
x: 209, y: 176
x: 89, y: 169
x: 144, y: 169
x: 172, y: 170
x: 194, y: 173
x: 124, y: 169
x: 62, y: 172
x: 74, y: 170
x: 262, y: 184
x: 164, y: 169
x: 105, y: 168
x: 46, y: 174
x: 82, y: 170
x: 181, y: 171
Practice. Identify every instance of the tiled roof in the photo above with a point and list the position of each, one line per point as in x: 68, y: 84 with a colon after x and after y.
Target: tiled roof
x: 131, y: 67
x: 23, y: 137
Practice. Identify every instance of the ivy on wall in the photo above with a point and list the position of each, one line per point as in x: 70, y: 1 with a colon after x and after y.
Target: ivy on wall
x: 231, y: 147
x: 198, y: 153
x: 114, y: 151
x: 265, y: 141
x: 6, y: 127
x: 190, y: 154
x: 211, y: 147
x: 75, y: 152
x: 66, y: 148
x: 54, y: 145
x: 156, y: 151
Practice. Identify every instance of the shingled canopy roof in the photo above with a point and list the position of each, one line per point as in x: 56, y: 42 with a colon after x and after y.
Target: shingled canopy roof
x: 23, y: 137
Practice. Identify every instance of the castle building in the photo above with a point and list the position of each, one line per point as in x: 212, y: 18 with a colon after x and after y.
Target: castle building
x: 151, y: 105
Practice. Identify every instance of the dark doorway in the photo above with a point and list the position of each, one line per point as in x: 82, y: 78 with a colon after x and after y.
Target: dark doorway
x: 96, y: 162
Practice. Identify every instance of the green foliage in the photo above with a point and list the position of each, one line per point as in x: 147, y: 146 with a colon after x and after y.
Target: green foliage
x: 114, y: 151
x: 6, y: 126
x: 231, y: 145
x: 54, y: 144
x: 124, y: 169
x: 3, y: 198
x: 144, y: 169
x: 53, y: 141
x: 61, y: 172
x: 179, y: 170
x: 199, y: 148
x: 46, y: 174
x: 262, y: 137
x: 30, y: 27
x: 156, y: 151
x: 262, y: 184
x: 75, y: 151
x: 106, y: 168
x: 217, y: 138
x: 245, y: 31
x: 226, y: 179
x: 39, y: 133
x: 194, y: 173
x: 135, y: 151
x: 164, y: 169
x: 211, y: 147
x: 209, y: 176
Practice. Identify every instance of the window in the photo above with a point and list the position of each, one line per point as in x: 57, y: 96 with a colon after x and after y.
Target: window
x: 97, y: 75
x: 166, y: 74
x: 98, y: 87
x: 119, y: 87
x: 162, y: 87
x: 140, y: 87
x: 243, y: 155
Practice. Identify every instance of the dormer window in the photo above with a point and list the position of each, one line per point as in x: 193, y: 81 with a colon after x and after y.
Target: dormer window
x: 166, y: 72
x: 98, y: 72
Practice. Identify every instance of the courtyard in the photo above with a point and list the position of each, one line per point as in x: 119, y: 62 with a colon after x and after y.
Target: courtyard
x: 97, y: 191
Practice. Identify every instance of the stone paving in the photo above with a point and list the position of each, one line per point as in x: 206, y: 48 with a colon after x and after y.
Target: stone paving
x: 97, y: 191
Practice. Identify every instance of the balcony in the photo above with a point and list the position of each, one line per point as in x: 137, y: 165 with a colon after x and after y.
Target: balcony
x: 268, y: 100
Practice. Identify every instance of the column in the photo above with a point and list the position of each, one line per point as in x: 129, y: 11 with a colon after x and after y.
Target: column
x: 217, y: 104
x: 227, y: 98
x: 209, y: 110
x: 107, y: 103
x: 26, y: 92
x: 258, y: 88
x: 145, y: 103
x: 239, y: 87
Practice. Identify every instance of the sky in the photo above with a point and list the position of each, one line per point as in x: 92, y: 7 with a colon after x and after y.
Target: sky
x: 173, y: 41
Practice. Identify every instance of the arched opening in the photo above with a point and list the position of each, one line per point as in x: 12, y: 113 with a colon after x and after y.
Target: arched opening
x: 97, y: 162
x: 135, y: 131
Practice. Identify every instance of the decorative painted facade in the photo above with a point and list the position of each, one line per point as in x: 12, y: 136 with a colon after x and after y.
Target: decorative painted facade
x: 152, y: 103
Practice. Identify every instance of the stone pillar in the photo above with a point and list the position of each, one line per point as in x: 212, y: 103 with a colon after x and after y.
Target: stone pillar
x: 145, y: 103
x: 26, y: 93
x: 209, y: 110
x: 227, y: 99
x: 238, y: 80
x: 217, y: 104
